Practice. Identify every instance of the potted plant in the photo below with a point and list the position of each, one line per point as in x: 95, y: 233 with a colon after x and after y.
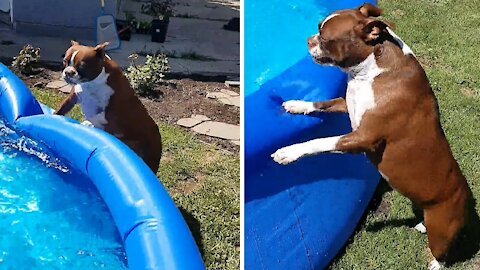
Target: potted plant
x: 161, y: 11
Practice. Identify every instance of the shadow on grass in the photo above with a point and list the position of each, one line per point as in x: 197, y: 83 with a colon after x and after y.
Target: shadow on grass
x: 467, y: 244
x: 464, y: 248
x: 194, y: 227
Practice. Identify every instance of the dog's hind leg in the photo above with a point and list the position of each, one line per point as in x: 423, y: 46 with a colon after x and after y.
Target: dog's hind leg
x: 306, y: 107
x: 443, y: 224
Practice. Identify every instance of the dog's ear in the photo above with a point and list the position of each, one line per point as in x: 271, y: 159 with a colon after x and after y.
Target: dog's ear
x: 370, y: 11
x: 100, y: 48
x: 74, y: 43
x: 371, y: 29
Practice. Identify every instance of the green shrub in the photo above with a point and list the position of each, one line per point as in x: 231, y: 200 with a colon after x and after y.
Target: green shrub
x: 27, y: 60
x: 143, y: 78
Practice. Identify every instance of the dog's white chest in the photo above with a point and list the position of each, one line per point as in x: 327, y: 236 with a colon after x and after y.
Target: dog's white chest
x: 93, y: 98
x: 360, y: 96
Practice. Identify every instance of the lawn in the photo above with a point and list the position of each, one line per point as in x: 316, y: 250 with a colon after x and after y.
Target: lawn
x: 445, y: 36
x: 204, y: 183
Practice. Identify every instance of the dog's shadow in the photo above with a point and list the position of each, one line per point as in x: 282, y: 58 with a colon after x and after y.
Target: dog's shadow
x: 194, y: 226
x: 464, y: 248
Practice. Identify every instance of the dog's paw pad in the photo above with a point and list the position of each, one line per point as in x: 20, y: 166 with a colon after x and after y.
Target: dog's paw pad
x: 298, y: 106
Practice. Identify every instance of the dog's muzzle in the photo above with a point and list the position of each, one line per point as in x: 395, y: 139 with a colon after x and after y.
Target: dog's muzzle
x: 316, y: 52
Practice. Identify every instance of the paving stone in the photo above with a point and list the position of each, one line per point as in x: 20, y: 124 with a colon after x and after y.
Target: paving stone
x: 214, y: 95
x: 39, y: 85
x: 219, y: 130
x: 56, y: 84
x: 232, y: 101
x: 200, y: 117
x: 232, y: 83
x: 236, y: 142
x: 66, y: 89
x: 188, y: 122
x: 229, y: 92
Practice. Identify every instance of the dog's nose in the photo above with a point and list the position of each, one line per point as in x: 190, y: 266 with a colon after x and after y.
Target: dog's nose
x: 311, y: 42
x: 69, y: 73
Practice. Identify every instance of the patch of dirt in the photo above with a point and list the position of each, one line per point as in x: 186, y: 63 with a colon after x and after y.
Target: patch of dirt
x: 42, y: 78
x: 180, y: 98
x: 383, y: 208
x: 467, y: 91
x: 183, y: 97
x: 190, y: 185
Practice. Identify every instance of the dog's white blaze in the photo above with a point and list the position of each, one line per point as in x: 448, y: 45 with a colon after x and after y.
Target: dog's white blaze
x: 292, y: 153
x: 360, y: 97
x: 405, y: 49
x: 72, y: 60
x: 298, y: 106
x: 327, y: 19
x: 93, y: 97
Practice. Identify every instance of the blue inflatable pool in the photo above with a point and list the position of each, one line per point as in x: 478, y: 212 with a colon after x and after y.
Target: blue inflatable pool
x: 297, y: 216
x: 154, y: 234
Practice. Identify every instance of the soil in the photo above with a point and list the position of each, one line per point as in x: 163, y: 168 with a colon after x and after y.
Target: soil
x: 178, y: 98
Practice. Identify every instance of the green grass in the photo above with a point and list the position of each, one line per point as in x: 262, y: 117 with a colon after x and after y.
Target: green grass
x: 204, y: 183
x: 445, y: 36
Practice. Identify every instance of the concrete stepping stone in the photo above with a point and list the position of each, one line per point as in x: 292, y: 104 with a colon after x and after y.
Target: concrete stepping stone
x: 188, y: 122
x: 232, y: 83
x: 218, y: 130
x: 66, y: 89
x: 232, y: 101
x: 56, y: 84
x: 200, y: 117
x: 215, y: 95
x: 229, y: 92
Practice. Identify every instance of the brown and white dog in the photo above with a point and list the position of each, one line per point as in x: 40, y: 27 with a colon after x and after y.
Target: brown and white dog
x: 394, y: 117
x: 108, y: 102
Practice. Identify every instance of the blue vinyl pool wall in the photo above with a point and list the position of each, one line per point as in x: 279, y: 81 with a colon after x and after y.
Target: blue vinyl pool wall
x: 298, y: 216
x: 153, y: 231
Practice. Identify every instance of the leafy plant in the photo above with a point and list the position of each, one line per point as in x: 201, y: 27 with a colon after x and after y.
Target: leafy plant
x: 27, y: 60
x: 143, y: 78
x: 144, y: 27
x: 158, y: 8
x: 130, y: 19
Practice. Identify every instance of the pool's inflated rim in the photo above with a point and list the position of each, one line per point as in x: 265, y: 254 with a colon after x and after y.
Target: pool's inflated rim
x: 154, y: 233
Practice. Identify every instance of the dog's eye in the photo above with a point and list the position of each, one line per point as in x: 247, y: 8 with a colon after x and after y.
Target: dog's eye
x: 81, y: 68
x: 65, y: 63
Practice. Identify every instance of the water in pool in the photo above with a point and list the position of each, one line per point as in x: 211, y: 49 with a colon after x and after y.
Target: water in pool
x: 276, y: 35
x: 51, y: 216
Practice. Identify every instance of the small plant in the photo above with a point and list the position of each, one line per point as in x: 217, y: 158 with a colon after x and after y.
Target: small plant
x: 159, y: 9
x: 144, y: 27
x: 27, y: 60
x: 143, y: 78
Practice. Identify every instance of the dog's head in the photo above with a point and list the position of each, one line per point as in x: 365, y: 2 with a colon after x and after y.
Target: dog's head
x: 346, y: 37
x: 82, y: 63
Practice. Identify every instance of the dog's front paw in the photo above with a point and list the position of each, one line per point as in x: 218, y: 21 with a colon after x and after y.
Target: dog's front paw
x: 421, y: 228
x: 288, y: 154
x: 435, y: 265
x: 298, y: 107
x: 87, y: 123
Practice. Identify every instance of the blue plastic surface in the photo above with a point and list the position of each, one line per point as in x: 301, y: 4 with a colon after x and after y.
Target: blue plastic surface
x: 300, y: 215
x: 152, y: 228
